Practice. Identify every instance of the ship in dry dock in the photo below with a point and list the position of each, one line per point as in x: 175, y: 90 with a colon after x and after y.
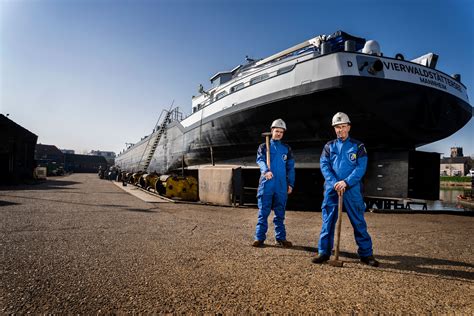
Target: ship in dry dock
x: 395, y: 105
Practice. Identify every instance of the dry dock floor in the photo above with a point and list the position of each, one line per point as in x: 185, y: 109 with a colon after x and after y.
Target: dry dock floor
x: 78, y: 244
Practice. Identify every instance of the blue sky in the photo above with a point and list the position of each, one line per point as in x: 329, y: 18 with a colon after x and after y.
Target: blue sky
x: 95, y: 74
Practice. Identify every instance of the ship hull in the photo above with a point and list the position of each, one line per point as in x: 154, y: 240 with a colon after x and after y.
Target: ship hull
x: 387, y: 115
x: 398, y: 107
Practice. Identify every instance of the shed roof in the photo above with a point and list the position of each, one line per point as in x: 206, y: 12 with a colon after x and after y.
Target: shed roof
x: 11, y: 128
x: 47, y: 151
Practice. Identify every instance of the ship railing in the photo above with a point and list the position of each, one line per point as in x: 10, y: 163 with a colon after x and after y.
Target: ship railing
x: 176, y: 115
x: 258, y: 75
x: 268, y: 68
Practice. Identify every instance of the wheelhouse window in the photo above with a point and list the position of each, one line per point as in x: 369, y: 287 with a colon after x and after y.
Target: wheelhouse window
x: 258, y: 79
x: 237, y: 87
x: 220, y: 95
x: 284, y: 69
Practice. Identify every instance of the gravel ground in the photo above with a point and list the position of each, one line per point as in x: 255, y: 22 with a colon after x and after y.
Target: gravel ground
x: 78, y: 244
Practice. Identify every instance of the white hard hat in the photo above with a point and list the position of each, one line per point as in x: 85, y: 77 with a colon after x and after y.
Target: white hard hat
x: 340, y: 118
x: 279, y: 123
x: 372, y: 48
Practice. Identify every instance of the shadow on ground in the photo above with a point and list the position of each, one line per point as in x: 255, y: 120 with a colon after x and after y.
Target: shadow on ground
x: 7, y: 203
x: 118, y: 207
x: 424, y: 265
x: 41, y: 185
x: 143, y: 210
x: 295, y: 247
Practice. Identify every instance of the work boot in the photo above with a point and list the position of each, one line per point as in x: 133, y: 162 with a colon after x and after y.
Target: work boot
x: 370, y: 260
x: 284, y: 243
x: 320, y: 259
x: 257, y: 243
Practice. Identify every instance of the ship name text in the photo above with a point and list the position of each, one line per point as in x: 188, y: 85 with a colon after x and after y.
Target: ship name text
x: 426, y: 76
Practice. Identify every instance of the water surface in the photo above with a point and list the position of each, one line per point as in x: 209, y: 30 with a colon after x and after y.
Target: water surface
x: 447, y: 201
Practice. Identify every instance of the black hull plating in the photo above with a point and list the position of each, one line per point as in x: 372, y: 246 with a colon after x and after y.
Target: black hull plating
x: 386, y: 115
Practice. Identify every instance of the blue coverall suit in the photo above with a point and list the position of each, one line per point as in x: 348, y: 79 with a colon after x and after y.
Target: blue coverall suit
x: 273, y: 193
x: 344, y: 160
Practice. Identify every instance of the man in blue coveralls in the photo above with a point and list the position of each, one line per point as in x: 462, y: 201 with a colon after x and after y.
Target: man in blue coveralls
x: 343, y: 163
x: 276, y: 182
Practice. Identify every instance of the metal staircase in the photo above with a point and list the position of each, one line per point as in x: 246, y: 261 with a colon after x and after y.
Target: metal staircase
x: 151, y: 145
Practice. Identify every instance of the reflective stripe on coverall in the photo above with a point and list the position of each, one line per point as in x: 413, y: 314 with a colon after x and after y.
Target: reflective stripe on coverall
x: 273, y: 193
x: 344, y: 160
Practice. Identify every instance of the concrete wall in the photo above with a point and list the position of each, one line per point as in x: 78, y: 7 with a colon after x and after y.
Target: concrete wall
x: 215, y: 185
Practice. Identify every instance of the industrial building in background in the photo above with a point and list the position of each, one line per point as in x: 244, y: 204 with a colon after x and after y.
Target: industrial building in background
x: 456, y: 165
x: 84, y: 163
x: 68, y: 151
x: 108, y: 155
x: 57, y: 162
x: 51, y: 158
x: 17, y: 149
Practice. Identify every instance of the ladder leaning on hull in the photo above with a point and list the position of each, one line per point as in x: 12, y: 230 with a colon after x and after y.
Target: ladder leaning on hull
x: 151, y: 145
